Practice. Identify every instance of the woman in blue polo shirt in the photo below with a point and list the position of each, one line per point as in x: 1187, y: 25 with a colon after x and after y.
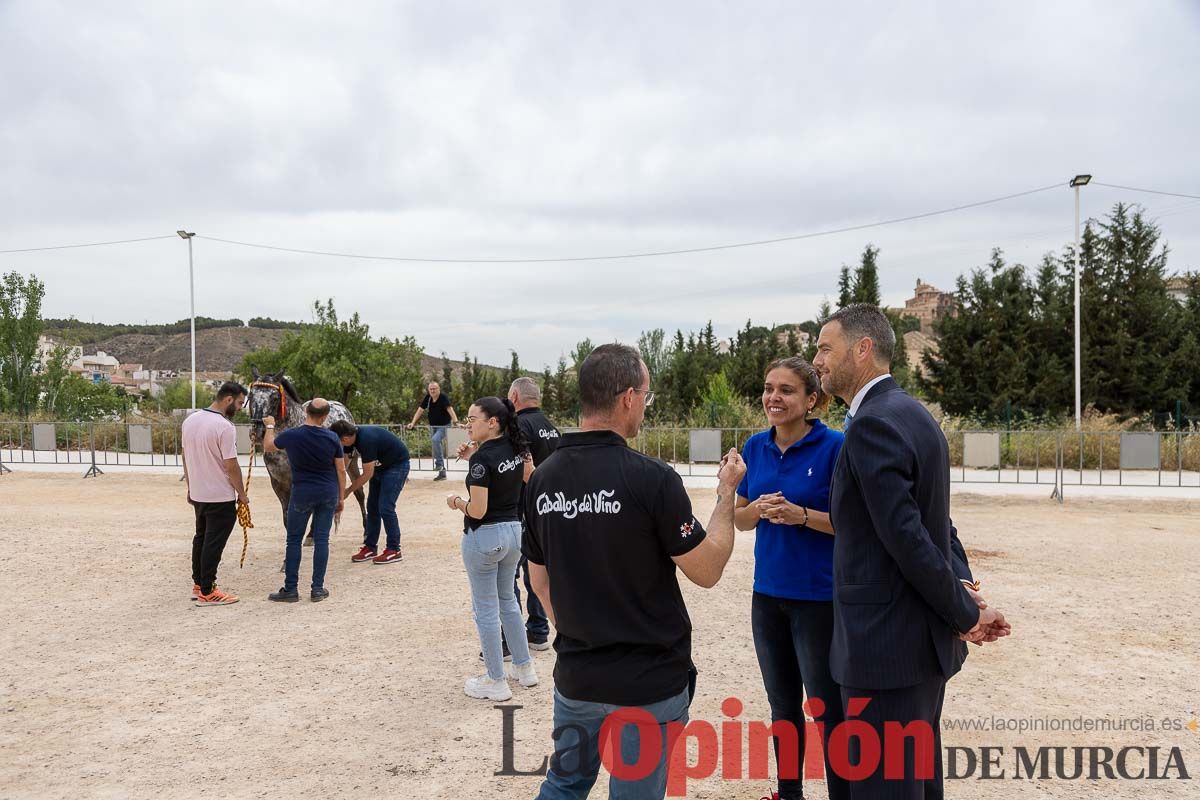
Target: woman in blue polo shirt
x: 785, y: 498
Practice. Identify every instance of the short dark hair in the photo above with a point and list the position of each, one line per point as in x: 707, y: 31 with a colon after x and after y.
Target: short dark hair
x: 865, y: 321
x: 607, y: 371
x: 344, y: 427
x: 231, y: 389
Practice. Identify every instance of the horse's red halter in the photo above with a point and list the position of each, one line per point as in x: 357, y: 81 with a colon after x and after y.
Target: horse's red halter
x: 282, y: 396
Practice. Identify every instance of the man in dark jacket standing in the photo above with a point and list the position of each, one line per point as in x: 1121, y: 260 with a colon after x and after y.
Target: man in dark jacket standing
x: 900, y: 603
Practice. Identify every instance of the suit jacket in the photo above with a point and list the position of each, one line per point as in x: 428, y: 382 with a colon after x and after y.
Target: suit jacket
x: 898, y: 604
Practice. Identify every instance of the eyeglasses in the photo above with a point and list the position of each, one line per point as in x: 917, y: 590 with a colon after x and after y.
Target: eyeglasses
x: 648, y: 392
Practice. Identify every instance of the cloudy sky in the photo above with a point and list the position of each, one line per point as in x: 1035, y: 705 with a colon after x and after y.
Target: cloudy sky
x: 544, y: 130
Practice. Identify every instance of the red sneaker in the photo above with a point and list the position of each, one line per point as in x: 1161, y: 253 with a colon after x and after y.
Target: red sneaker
x: 387, y: 557
x: 196, y: 590
x: 215, y: 598
x: 365, y: 554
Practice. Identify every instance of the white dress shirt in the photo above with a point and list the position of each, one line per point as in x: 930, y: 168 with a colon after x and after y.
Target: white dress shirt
x: 858, y: 398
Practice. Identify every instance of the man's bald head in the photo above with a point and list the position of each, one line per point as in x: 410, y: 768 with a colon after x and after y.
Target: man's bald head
x: 318, y: 409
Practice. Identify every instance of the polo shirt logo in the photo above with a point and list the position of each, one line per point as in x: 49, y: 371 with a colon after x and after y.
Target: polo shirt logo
x: 685, y: 530
x: 810, y: 472
x: 545, y: 434
x: 595, y: 503
x: 478, y: 471
x: 512, y: 463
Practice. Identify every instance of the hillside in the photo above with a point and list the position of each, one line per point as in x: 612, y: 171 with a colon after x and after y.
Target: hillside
x: 217, y: 349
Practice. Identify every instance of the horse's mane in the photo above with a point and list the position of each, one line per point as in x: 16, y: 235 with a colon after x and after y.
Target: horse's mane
x: 287, y: 387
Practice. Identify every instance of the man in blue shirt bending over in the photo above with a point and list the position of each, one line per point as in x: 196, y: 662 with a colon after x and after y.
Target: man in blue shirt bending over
x: 385, y: 464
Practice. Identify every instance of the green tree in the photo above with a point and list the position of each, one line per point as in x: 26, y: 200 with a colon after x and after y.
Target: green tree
x: 566, y: 392
x: 720, y: 405
x: 513, y: 372
x: 824, y: 312
x: 81, y: 399
x: 447, y: 381
x: 582, y: 350
x: 845, y: 288
x: 178, y: 394
x: 549, y: 400
x: 20, y: 326
x: 655, y: 352
x: 377, y: 380
x: 53, y: 373
x: 1130, y: 325
x: 983, y: 358
x: 866, y: 277
x: 752, y: 349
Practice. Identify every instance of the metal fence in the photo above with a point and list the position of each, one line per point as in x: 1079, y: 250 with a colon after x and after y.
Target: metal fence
x: 155, y: 444
x: 1056, y: 459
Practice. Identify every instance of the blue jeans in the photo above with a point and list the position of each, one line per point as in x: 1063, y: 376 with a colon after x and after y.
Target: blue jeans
x: 439, y: 446
x: 300, y: 509
x: 490, y: 554
x: 792, y: 640
x: 571, y: 776
x: 383, y: 492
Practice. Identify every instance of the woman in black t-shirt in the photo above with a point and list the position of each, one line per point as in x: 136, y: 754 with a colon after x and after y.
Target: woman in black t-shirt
x: 491, y: 543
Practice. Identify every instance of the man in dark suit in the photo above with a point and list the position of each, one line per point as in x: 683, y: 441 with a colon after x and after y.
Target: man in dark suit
x: 902, y: 609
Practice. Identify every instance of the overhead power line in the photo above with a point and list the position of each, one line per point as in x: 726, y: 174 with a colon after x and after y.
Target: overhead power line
x: 649, y: 254
x: 609, y: 257
x: 88, y: 244
x: 1147, y: 191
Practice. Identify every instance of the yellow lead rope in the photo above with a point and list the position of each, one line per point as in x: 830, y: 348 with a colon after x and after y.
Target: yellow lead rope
x: 243, y: 509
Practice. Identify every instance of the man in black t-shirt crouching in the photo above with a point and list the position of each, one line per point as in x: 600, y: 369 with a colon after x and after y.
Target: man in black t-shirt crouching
x: 606, y: 528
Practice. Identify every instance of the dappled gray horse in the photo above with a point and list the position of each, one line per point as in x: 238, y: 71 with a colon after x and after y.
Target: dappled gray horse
x: 272, y: 395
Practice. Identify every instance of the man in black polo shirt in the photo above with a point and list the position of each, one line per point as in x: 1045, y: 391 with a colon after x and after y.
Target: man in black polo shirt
x: 606, y: 528
x: 543, y: 437
x: 441, y: 417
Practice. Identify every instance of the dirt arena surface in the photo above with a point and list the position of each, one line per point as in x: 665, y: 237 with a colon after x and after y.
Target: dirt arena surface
x: 113, y: 686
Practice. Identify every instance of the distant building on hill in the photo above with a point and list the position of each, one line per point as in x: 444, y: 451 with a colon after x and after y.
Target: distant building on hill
x: 802, y: 337
x: 1177, y: 287
x: 48, y: 344
x: 927, y: 305
x: 97, y: 368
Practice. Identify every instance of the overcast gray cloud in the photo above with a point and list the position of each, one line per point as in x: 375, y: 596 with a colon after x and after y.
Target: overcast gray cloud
x: 551, y: 129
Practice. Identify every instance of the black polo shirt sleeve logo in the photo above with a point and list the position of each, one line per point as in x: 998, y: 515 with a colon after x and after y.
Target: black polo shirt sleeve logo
x: 678, y: 529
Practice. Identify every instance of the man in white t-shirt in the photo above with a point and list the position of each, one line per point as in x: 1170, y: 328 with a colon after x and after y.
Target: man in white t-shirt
x: 214, y: 481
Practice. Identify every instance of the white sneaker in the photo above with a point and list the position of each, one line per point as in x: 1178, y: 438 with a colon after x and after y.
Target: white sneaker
x: 484, y: 688
x: 525, y: 674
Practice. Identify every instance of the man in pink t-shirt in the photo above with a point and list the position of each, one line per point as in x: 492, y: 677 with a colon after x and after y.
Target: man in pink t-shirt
x: 214, y: 481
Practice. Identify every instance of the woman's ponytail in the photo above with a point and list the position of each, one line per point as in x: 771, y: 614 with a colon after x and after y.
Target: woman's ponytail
x: 511, y: 429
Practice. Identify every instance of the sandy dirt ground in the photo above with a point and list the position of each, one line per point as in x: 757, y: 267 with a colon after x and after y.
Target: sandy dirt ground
x: 112, y: 685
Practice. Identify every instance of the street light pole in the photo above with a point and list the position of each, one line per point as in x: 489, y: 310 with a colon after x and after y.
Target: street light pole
x: 192, y: 295
x: 1076, y: 182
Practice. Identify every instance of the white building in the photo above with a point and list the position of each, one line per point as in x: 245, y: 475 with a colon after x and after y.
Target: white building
x: 97, y: 368
x: 45, y: 351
